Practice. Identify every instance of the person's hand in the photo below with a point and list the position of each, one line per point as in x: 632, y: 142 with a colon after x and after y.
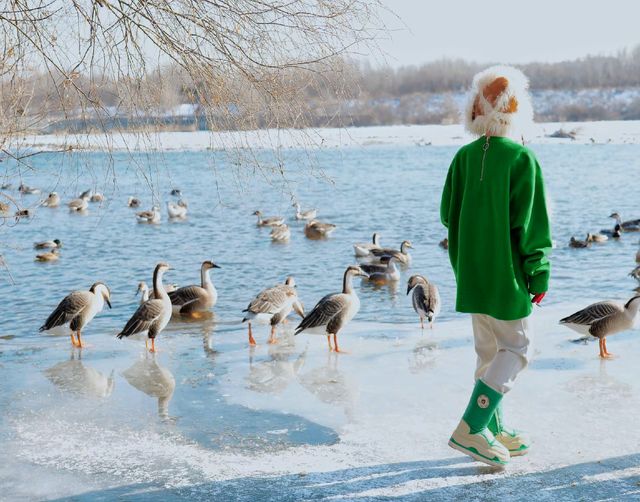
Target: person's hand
x: 538, y: 298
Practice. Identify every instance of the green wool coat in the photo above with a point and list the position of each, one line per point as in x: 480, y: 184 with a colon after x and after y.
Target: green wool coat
x: 499, y: 235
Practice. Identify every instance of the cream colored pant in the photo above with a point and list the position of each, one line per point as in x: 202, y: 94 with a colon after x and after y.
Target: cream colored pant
x: 502, y: 348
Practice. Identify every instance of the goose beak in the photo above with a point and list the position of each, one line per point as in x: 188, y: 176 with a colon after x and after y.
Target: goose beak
x: 216, y: 266
x: 108, y: 302
x: 409, y: 289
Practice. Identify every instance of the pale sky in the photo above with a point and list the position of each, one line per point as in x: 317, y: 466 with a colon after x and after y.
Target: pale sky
x: 508, y: 32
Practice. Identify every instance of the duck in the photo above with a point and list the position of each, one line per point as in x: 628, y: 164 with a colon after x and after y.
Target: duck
x: 153, y: 315
x: 334, y: 311
x: 78, y: 309
x: 362, y: 249
x: 145, y: 294
x: 194, y: 299
x: 52, y: 255
x: 385, y: 271
x: 401, y: 256
x: 444, y: 243
x: 55, y: 243
x: 627, y: 226
x: 177, y: 211
x: 309, y: 214
x: 425, y: 299
x: 316, y: 230
x: 153, y: 216
x: 273, y: 305
x: 97, y: 197
x: 280, y: 233
x: 27, y: 190
x: 80, y: 204
x: 52, y: 200
x: 597, y: 238
x: 271, y: 221
x: 133, y: 202
x: 578, y: 244
x: 602, y: 319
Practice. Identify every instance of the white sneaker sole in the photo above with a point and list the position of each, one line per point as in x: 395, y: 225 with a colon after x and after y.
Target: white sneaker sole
x: 476, y: 456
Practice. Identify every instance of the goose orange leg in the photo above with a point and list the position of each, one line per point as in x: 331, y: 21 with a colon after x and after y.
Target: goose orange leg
x: 606, y: 352
x: 79, y: 340
x: 153, y: 345
x: 335, y: 344
x: 329, y: 342
x: 422, y: 324
x: 272, y: 337
x: 252, y: 340
x: 73, y: 340
x: 603, y: 349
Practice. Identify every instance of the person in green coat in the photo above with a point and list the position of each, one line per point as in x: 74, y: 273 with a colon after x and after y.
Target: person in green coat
x: 494, y: 207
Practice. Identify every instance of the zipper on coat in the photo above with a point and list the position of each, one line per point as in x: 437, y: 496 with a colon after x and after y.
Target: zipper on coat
x: 485, y: 147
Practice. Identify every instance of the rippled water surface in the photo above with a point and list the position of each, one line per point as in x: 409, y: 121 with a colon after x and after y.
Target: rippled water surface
x: 394, y: 191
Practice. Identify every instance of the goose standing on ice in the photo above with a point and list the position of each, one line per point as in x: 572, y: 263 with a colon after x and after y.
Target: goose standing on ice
x: 52, y: 255
x: 603, y: 319
x: 334, y: 311
x: 151, y: 217
x: 385, y: 271
x: 80, y: 204
x: 55, y: 243
x: 193, y: 299
x: 78, y: 308
x: 316, y: 230
x: 364, y: 248
x: 52, y: 200
x: 273, y: 305
x: 153, y: 315
x: 425, y: 299
x: 627, y: 226
x: 280, y: 233
x: 271, y: 221
x: 309, y: 214
x: 401, y: 255
x: 177, y: 211
x: 133, y: 202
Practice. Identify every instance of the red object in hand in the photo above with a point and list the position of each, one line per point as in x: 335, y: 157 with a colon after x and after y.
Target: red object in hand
x: 538, y: 298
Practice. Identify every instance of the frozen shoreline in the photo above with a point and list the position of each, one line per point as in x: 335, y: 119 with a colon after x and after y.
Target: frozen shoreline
x: 614, y: 132
x: 393, y: 401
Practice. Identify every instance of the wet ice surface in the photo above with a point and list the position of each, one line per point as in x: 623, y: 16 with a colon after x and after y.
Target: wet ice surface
x: 208, y: 418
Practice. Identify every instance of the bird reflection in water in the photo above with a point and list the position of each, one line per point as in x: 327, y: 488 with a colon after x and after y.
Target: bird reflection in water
x: 423, y: 356
x: 275, y: 374
x: 75, y: 377
x: 149, y: 377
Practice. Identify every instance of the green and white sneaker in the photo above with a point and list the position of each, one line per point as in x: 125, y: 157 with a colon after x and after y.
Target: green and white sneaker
x: 472, y: 437
x: 516, y: 441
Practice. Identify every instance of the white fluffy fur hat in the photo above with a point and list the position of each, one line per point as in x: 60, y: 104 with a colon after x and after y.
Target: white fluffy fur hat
x: 499, y: 103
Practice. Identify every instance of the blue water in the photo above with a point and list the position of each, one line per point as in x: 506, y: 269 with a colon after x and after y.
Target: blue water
x: 391, y: 190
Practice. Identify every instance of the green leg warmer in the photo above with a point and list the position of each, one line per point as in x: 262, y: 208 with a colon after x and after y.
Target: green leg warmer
x: 482, y: 406
x: 496, y: 422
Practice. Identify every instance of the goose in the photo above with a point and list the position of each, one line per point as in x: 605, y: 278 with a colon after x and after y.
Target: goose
x: 334, y: 311
x: 309, y: 214
x: 156, y: 381
x: 145, y: 294
x: 272, y: 221
x: 444, y: 243
x: 316, y: 230
x: 578, y: 244
x: 383, y: 272
x: 193, y: 299
x: 603, y: 319
x: 80, y: 204
x: 616, y: 233
x: 52, y: 255
x: 153, y: 315
x: 280, y: 233
x: 27, y: 190
x: 425, y: 299
x: 75, y: 377
x: 133, y: 202
x: 627, y: 226
x: 151, y: 217
x: 177, y: 211
x: 97, y: 197
x: 597, y: 238
x: 78, y: 308
x: 55, y: 243
x: 273, y: 305
x: 52, y: 200
x: 401, y: 255
x: 364, y: 248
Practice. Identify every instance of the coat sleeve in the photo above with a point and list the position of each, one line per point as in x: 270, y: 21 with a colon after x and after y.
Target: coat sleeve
x: 530, y: 225
x: 445, y: 202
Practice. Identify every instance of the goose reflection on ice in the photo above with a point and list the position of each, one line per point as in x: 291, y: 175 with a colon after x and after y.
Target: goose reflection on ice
x: 149, y: 377
x: 423, y: 356
x: 275, y: 374
x: 77, y: 378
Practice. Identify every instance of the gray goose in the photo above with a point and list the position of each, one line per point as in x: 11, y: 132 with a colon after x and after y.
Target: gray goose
x: 273, y: 305
x: 271, y: 221
x: 627, y: 226
x: 193, y: 299
x: 153, y: 315
x: 334, y: 311
x: 383, y: 272
x: 316, y: 230
x: 80, y: 204
x: 362, y: 249
x: 153, y: 216
x: 308, y: 214
x: 401, y: 255
x: 602, y: 319
x: 425, y: 299
x: 78, y: 308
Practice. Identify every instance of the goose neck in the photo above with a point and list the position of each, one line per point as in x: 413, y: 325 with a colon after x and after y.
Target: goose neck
x: 347, y: 283
x: 158, y: 287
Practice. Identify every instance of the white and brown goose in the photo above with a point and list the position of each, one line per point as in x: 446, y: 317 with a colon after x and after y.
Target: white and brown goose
x: 272, y: 306
x: 270, y: 221
x: 194, y: 299
x: 362, y: 249
x: 308, y: 214
x: 334, y: 311
x: 146, y: 294
x: 316, y: 230
x: 52, y: 255
x: 52, y: 200
x: 77, y: 309
x: 177, y: 211
x: 80, y: 204
x: 425, y: 299
x: 401, y: 255
x: 383, y: 272
x: 280, y: 233
x: 55, y: 243
x: 153, y: 315
x: 152, y: 217
x: 602, y: 319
